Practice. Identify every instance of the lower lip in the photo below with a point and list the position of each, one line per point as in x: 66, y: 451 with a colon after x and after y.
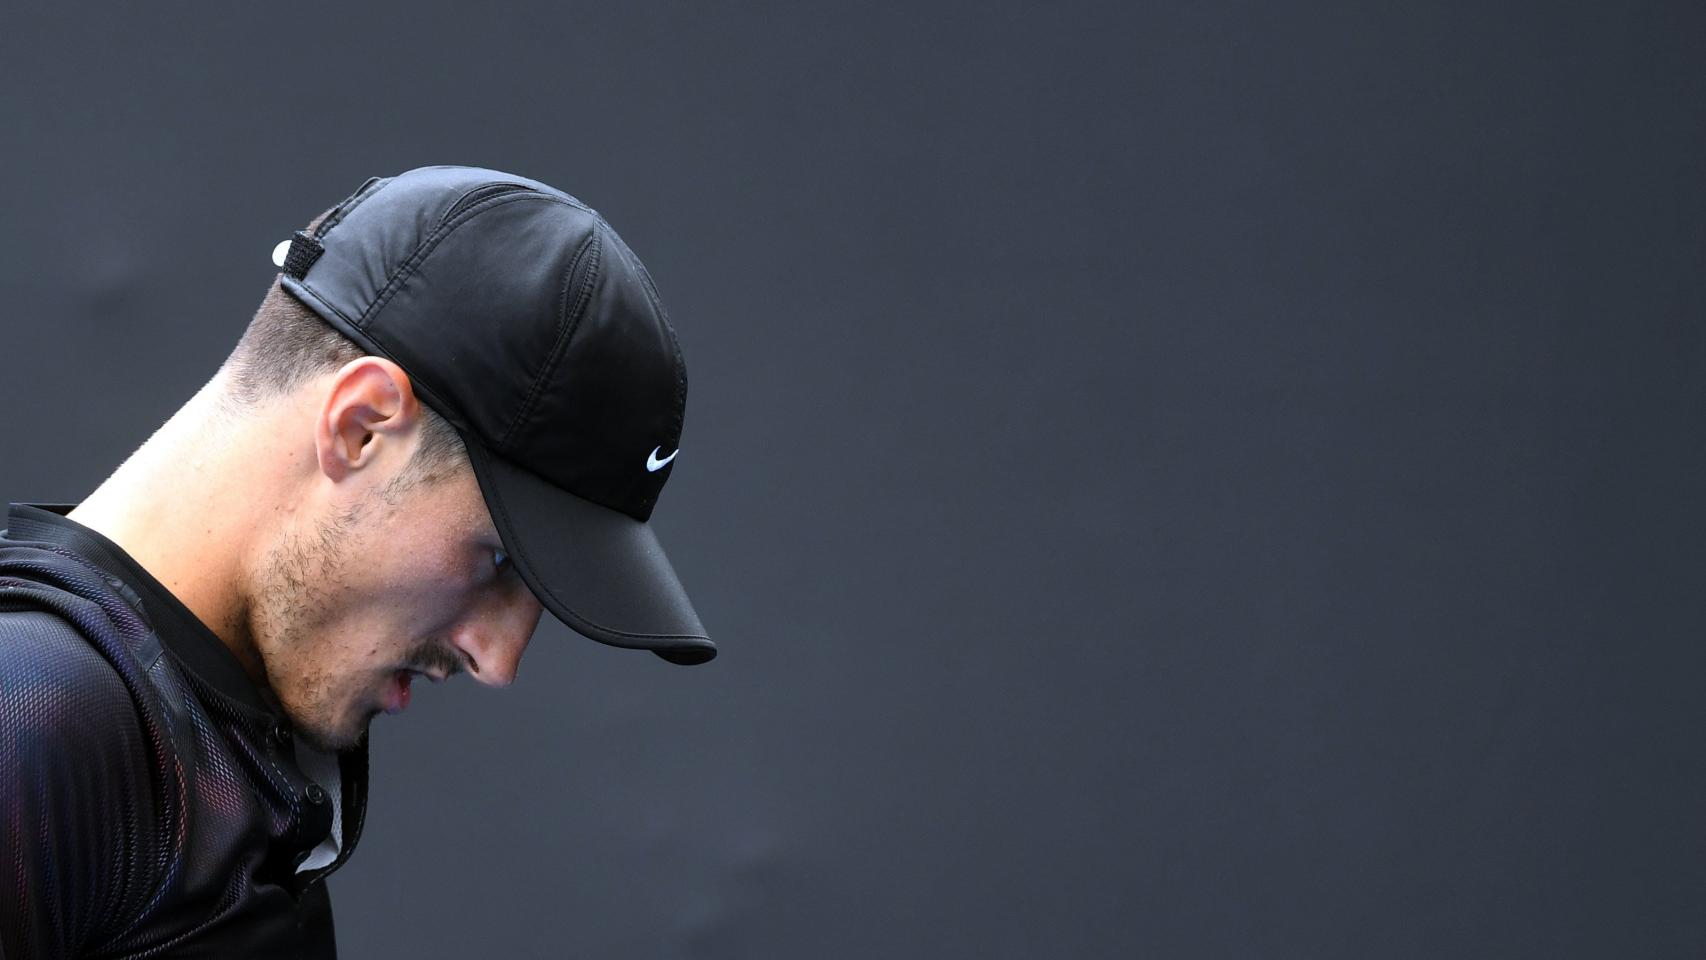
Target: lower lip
x: 397, y: 697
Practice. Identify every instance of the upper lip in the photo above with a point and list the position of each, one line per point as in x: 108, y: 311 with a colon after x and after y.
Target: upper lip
x: 434, y: 677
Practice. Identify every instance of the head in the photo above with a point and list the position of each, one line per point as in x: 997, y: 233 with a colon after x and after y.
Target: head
x: 376, y: 554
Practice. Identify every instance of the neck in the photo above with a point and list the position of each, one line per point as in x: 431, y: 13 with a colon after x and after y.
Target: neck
x: 186, y: 507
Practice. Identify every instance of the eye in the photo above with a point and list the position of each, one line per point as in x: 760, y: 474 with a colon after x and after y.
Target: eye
x: 500, y: 560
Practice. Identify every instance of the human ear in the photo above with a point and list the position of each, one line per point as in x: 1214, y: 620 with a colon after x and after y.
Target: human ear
x: 369, y: 400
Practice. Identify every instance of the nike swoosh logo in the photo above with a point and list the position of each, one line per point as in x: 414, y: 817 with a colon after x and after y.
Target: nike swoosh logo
x: 653, y: 464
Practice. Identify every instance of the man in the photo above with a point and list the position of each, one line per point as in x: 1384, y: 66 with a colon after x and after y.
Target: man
x: 454, y: 410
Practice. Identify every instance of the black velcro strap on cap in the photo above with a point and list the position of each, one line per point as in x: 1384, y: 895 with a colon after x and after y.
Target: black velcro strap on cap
x: 304, y: 250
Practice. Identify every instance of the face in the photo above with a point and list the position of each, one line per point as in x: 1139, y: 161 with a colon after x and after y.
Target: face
x: 392, y: 581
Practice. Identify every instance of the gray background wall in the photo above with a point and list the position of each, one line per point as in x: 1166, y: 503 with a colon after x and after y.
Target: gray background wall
x: 1201, y: 480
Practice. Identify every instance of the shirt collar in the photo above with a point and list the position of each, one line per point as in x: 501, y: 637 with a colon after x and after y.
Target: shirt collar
x: 190, y: 640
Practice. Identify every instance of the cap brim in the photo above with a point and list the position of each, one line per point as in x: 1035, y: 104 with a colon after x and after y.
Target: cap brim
x: 598, y: 570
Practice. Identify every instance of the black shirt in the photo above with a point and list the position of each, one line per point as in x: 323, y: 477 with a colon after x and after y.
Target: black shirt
x: 152, y: 803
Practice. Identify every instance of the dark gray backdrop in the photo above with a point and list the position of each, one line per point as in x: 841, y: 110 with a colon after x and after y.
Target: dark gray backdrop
x: 1200, y: 480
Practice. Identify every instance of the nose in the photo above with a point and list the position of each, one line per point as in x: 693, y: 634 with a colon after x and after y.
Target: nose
x: 492, y: 642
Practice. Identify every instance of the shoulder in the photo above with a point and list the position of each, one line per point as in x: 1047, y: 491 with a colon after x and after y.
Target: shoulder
x: 60, y: 696
x: 77, y: 762
x: 76, y: 791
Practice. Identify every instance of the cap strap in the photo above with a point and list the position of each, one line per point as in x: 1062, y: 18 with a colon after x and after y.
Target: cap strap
x: 304, y: 250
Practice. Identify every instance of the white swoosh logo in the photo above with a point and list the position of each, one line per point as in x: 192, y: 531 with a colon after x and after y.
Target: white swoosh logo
x: 653, y: 464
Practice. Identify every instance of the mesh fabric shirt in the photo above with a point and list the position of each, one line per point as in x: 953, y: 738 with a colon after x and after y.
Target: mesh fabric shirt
x: 152, y: 803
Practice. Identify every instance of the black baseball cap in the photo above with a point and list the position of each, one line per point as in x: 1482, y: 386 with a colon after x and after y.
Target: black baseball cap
x: 524, y: 320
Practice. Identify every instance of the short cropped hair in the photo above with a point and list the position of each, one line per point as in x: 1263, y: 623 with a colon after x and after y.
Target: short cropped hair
x: 286, y: 344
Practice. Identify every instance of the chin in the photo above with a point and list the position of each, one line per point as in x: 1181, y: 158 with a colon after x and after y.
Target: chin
x: 333, y: 740
x: 322, y: 727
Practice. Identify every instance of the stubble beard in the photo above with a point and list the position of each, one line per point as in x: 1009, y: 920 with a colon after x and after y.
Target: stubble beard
x: 300, y: 576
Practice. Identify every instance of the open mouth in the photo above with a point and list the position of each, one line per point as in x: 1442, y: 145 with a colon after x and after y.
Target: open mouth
x: 397, y: 697
x: 397, y: 692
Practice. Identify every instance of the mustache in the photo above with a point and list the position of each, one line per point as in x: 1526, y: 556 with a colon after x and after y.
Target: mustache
x: 436, y: 658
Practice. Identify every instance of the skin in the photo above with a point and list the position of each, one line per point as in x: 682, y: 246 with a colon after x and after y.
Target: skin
x: 291, y: 529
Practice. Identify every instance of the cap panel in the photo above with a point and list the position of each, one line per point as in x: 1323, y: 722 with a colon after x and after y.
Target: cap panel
x: 608, y: 417
x: 470, y: 316
x: 373, y: 233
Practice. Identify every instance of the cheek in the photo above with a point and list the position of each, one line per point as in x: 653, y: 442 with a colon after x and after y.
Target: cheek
x: 422, y: 588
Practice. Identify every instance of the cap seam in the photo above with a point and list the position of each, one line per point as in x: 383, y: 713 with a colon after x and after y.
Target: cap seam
x: 408, y: 267
x: 350, y: 203
x: 592, y: 246
x: 494, y: 187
